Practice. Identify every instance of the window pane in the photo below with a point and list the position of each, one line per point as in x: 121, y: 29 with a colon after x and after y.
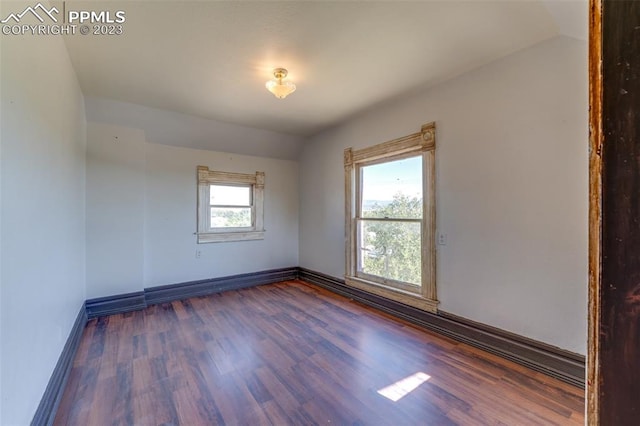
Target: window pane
x: 390, y: 249
x: 393, y: 189
x: 230, y: 195
x: 228, y: 217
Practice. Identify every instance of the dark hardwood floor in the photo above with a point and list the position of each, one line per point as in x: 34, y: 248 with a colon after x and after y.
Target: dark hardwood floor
x: 292, y: 353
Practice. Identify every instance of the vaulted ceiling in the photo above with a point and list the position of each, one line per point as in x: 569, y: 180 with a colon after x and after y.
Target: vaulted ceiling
x: 211, y: 59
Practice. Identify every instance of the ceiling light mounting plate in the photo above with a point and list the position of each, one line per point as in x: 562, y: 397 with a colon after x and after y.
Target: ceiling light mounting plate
x: 280, y: 73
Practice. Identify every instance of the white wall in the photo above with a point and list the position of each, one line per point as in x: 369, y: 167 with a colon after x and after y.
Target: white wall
x: 171, y: 217
x: 512, y: 177
x: 43, y: 212
x: 141, y: 214
x: 178, y: 129
x: 115, y: 209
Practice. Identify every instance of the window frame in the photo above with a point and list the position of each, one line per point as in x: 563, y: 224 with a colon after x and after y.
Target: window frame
x: 422, y: 144
x: 208, y: 234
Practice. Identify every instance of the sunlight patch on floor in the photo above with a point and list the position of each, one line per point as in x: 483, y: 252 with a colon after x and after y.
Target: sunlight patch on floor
x: 404, y: 386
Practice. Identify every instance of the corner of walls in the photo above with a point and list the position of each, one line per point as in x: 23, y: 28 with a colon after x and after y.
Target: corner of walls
x: 141, y: 212
x: 322, y: 238
x: 42, y: 247
x: 115, y: 209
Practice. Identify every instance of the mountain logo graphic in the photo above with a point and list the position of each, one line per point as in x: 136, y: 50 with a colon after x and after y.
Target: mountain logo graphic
x: 34, y: 11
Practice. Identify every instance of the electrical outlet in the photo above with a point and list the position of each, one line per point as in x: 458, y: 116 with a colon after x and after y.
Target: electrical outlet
x: 198, y: 254
x: 442, y: 239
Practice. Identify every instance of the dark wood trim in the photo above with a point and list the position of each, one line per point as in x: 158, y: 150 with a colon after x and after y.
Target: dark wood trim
x: 121, y: 303
x: 615, y: 298
x: 555, y: 362
x: 46, y: 411
x: 117, y: 304
x: 541, y: 346
x: 169, y: 293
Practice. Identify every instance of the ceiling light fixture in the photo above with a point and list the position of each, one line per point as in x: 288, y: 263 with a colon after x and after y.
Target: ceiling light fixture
x: 281, y: 89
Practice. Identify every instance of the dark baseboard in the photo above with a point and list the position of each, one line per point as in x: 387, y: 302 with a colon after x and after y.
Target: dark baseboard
x: 46, y: 411
x: 122, y: 303
x: 117, y: 304
x: 555, y: 362
x: 169, y: 293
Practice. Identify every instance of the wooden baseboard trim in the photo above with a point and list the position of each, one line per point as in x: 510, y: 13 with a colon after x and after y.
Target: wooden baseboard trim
x: 46, y: 411
x: 555, y: 362
x: 117, y: 304
x: 169, y: 293
x: 122, y: 303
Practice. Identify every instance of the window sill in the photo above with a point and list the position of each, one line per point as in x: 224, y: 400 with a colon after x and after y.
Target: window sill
x: 411, y: 299
x: 403, y: 287
x: 221, y: 237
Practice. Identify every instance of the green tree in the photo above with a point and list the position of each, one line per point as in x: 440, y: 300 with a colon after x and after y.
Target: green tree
x: 231, y: 217
x: 391, y: 249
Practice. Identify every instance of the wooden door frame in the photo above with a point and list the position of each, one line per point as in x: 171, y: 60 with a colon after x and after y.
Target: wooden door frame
x: 613, y: 372
x: 595, y: 207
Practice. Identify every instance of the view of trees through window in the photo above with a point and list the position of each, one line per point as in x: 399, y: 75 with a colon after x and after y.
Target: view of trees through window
x: 390, y: 220
x: 228, y: 217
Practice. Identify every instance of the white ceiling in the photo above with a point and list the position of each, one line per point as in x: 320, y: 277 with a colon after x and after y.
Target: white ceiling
x: 211, y: 59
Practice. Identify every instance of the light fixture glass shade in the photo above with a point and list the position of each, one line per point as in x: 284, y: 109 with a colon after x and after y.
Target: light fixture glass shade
x: 281, y: 89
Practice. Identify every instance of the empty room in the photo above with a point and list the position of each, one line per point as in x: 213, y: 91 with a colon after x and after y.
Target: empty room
x: 298, y: 212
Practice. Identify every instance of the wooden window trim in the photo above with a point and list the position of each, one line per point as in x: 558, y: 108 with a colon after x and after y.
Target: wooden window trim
x: 205, y: 233
x: 421, y: 143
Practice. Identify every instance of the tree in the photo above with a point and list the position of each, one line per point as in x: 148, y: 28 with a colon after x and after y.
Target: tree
x: 391, y: 249
x: 232, y: 217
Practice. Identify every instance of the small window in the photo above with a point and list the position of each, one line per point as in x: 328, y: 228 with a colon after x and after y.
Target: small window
x: 230, y: 206
x: 390, y: 219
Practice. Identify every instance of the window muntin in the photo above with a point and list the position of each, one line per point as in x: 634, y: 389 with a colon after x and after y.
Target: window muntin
x: 390, y: 219
x: 230, y: 206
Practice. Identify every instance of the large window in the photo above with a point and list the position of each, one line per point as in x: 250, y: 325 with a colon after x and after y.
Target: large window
x: 230, y: 206
x: 390, y: 209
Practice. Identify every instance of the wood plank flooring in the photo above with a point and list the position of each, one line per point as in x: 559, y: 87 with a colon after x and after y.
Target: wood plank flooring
x: 294, y: 354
